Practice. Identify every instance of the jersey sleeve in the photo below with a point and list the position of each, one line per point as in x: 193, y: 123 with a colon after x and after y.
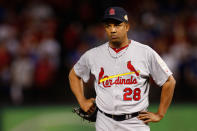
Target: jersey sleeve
x: 82, y: 68
x: 158, y: 69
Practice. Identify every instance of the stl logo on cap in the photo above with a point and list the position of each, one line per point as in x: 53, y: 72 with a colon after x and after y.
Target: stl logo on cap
x: 112, y: 11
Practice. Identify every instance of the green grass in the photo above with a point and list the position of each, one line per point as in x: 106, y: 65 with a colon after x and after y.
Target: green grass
x: 60, y: 118
x: 178, y: 118
x: 42, y: 119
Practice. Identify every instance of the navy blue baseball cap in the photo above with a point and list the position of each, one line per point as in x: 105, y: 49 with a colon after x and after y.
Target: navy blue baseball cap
x: 116, y: 13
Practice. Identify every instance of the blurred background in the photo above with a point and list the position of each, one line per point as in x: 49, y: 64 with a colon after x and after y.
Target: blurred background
x: 40, y: 41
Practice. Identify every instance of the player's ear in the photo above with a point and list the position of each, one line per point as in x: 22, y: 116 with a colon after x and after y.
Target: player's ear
x: 127, y: 26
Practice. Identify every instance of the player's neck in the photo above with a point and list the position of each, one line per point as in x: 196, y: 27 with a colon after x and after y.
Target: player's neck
x: 119, y: 44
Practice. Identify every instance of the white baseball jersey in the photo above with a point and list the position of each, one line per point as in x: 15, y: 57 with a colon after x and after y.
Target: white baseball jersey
x: 122, y: 78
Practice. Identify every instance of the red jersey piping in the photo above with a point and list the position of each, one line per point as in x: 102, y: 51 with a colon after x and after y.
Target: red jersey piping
x: 119, y: 49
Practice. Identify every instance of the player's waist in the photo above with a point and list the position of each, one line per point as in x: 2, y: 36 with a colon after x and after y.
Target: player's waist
x: 120, y: 117
x: 120, y: 107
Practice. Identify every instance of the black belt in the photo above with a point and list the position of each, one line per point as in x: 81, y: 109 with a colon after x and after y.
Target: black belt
x: 121, y: 117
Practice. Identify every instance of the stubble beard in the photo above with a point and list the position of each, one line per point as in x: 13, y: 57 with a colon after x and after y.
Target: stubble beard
x: 116, y: 43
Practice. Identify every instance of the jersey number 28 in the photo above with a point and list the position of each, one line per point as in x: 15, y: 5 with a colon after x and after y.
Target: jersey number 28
x: 128, y: 92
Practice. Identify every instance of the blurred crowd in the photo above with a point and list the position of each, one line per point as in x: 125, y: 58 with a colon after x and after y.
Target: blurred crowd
x: 29, y: 52
x: 41, y: 40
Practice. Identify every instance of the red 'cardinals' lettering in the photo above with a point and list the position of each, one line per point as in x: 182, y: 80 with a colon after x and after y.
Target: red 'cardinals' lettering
x: 118, y: 80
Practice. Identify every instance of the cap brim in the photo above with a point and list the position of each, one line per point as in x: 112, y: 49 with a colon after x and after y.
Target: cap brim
x: 112, y: 18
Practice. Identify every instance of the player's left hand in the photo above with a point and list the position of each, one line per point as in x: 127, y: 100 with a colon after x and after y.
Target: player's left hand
x: 149, y: 117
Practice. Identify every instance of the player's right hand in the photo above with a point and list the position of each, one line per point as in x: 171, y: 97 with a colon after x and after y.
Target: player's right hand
x: 88, y: 105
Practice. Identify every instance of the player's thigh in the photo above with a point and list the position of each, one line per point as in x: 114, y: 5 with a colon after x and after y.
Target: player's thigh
x: 104, y: 123
x: 133, y: 124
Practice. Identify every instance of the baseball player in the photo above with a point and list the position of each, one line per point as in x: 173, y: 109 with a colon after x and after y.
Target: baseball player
x: 122, y: 69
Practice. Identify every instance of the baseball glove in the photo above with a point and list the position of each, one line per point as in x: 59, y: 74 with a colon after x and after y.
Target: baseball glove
x: 90, y: 117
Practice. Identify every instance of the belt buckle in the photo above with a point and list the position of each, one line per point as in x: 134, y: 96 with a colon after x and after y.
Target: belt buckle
x: 128, y: 116
x: 113, y: 117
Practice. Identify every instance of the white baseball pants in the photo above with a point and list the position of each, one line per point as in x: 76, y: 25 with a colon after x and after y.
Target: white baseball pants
x: 104, y: 123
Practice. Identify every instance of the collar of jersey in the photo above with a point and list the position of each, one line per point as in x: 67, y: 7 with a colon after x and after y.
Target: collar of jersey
x: 117, y: 50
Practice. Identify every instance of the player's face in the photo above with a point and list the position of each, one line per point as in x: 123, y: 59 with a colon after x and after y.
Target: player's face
x: 116, y: 31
